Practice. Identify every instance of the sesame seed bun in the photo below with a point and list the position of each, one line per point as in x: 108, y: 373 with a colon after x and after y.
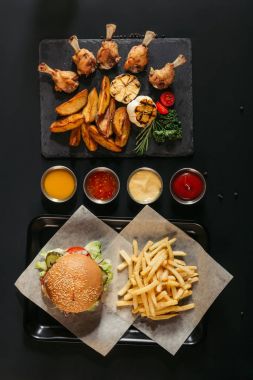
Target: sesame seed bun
x: 74, y: 283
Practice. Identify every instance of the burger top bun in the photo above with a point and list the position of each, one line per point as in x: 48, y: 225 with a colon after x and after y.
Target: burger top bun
x: 74, y: 283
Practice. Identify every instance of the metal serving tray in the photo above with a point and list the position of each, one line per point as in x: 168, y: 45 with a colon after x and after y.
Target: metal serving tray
x: 41, y: 326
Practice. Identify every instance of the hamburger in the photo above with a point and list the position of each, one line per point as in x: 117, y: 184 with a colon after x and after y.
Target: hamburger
x: 74, y: 279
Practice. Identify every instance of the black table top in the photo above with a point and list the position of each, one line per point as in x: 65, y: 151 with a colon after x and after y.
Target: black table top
x: 222, y: 92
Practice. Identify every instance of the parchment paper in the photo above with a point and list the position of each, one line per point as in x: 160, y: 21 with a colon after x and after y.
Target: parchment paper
x: 101, y: 329
x: 171, y: 334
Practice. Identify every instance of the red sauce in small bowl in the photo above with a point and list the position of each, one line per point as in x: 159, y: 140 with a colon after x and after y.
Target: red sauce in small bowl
x: 188, y: 185
x: 102, y: 185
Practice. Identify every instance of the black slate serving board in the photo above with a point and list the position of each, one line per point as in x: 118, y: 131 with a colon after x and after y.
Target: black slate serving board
x: 58, y: 53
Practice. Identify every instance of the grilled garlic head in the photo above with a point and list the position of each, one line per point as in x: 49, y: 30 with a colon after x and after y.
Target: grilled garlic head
x: 142, y: 111
x: 124, y: 88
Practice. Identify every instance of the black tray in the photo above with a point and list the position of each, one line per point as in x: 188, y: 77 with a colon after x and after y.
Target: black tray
x: 41, y: 326
x: 57, y: 53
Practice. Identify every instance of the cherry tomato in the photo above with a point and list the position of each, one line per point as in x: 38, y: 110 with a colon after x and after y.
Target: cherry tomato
x: 161, y: 109
x: 167, y: 99
x: 75, y: 249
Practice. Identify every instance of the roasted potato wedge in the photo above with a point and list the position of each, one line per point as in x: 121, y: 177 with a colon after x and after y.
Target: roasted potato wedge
x: 90, y: 110
x: 74, y: 104
x: 75, y: 137
x: 119, y: 120
x: 104, y: 122
x: 104, y: 95
x: 121, y: 141
x: 90, y: 144
x: 107, y: 144
x: 66, y: 124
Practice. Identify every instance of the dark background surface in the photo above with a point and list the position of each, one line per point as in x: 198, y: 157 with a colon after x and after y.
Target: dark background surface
x: 222, y: 73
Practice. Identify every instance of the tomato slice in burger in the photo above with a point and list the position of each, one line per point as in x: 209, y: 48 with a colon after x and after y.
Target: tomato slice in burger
x: 167, y: 99
x: 161, y: 109
x: 76, y: 249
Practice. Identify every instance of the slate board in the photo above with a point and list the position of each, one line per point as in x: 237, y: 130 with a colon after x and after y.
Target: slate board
x: 58, y: 53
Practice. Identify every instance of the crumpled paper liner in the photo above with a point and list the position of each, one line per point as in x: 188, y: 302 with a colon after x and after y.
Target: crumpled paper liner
x: 172, y: 333
x: 102, y: 329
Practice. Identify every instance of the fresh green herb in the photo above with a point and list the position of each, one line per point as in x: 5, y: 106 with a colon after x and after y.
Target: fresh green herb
x: 167, y: 127
x: 163, y: 128
x: 142, y: 140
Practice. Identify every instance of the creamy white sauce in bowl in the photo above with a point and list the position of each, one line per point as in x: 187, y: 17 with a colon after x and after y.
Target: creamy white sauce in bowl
x: 144, y: 185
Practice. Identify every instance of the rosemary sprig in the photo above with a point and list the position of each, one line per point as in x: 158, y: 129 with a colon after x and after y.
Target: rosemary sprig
x: 143, y: 138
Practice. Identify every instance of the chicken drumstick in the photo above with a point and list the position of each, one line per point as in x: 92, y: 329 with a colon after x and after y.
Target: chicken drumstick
x: 164, y: 77
x: 83, y: 58
x: 108, y: 54
x: 137, y: 58
x: 66, y: 81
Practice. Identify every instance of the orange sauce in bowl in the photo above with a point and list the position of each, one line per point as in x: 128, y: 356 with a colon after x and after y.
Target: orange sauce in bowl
x: 59, y: 184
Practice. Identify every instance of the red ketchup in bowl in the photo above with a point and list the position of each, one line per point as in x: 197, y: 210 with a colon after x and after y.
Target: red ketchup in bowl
x: 187, y: 186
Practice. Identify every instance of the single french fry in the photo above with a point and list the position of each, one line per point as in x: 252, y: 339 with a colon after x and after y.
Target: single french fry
x: 159, y: 274
x: 125, y: 288
x: 124, y: 303
x: 151, y: 306
x: 147, y: 258
x: 172, y: 241
x: 143, y: 263
x: 174, y: 292
x: 144, y: 289
x: 134, y: 259
x: 186, y: 293
x: 135, y: 302
x: 163, y: 305
x: 122, y: 266
x: 175, y: 309
x: 170, y: 252
x: 164, y: 276
x: 161, y: 317
x: 152, y: 293
x: 128, y: 297
x: 179, y: 253
x: 130, y: 269
x: 180, y: 292
x: 135, y: 248
x: 192, y: 280
x: 172, y: 283
x: 125, y: 256
x: 180, y: 262
x: 133, y: 281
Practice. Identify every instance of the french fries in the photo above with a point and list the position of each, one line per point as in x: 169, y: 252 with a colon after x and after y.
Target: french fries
x: 104, y: 96
x: 157, y: 282
x: 75, y: 137
x: 73, y: 105
x: 90, y: 110
x: 66, y: 124
x: 101, y: 140
x: 90, y: 144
